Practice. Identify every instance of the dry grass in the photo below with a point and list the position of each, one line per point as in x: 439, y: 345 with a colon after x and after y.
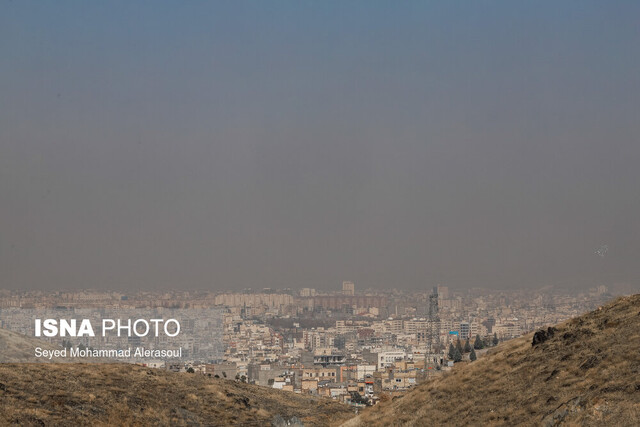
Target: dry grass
x: 587, y: 374
x: 18, y: 348
x: 127, y: 395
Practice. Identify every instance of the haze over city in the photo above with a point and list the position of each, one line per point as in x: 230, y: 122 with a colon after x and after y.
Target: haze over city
x: 301, y: 144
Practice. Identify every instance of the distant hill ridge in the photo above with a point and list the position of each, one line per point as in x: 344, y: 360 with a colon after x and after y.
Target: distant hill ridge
x: 585, y: 371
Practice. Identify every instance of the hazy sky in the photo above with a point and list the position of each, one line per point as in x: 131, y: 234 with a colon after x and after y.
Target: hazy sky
x: 298, y: 144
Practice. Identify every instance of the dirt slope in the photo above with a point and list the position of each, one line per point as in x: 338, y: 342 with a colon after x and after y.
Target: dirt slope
x: 121, y: 394
x: 587, y: 373
x: 15, y: 347
x: 18, y: 348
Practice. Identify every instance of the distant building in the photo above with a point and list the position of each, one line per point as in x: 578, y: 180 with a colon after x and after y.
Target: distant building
x: 393, y: 380
x: 348, y: 288
x: 264, y: 374
x: 307, y: 292
x: 223, y: 370
x: 336, y: 302
x: 253, y: 300
x: 384, y: 358
x: 320, y: 374
x: 443, y: 292
x: 465, y: 330
x: 507, y: 329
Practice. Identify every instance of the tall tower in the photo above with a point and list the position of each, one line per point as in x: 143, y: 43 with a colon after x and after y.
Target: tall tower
x: 348, y: 288
x: 433, y: 332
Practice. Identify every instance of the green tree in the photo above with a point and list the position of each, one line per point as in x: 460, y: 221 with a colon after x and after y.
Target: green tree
x: 243, y: 378
x: 478, y: 344
x: 473, y: 356
x: 495, y: 338
x: 190, y: 370
x: 457, y: 356
x: 358, y: 398
x: 459, y: 346
x: 467, y: 346
x: 451, y: 352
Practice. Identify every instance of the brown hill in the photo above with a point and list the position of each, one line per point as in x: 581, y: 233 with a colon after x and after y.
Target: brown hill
x: 15, y: 347
x: 122, y: 394
x: 586, y: 373
x: 18, y: 348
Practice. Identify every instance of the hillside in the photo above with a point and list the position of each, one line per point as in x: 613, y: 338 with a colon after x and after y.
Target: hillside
x: 15, y: 347
x: 586, y: 373
x: 123, y: 394
x: 18, y: 348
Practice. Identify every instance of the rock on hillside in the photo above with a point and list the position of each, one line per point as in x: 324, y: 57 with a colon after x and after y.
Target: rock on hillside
x: 585, y: 372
